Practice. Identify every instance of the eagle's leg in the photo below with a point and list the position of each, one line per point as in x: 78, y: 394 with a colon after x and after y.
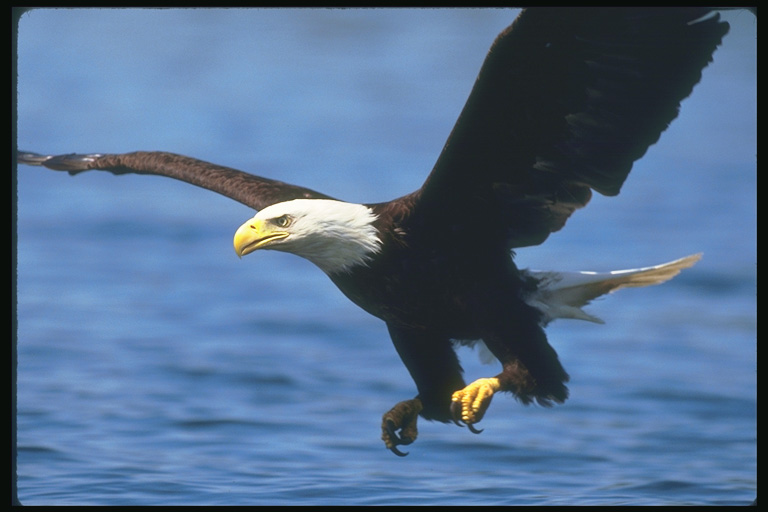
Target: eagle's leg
x: 402, y: 417
x: 434, y: 367
x: 543, y: 381
x: 468, y: 405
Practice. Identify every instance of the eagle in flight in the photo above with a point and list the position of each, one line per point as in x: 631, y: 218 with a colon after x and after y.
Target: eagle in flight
x: 565, y: 102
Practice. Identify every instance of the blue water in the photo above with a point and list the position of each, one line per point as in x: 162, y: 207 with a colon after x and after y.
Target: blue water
x: 154, y: 367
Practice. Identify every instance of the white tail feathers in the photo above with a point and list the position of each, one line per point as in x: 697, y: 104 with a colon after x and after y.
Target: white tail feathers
x: 562, y: 294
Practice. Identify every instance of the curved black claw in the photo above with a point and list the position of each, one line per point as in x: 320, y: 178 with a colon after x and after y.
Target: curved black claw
x: 398, y: 452
x: 397, y: 440
x: 456, y: 413
x: 473, y: 429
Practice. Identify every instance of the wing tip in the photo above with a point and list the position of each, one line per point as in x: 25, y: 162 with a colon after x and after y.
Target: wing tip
x: 72, y: 162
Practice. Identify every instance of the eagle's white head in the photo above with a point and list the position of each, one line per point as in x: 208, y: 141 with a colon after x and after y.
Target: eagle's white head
x: 333, y: 235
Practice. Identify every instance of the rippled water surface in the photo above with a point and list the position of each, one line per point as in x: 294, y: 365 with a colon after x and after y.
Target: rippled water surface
x: 154, y: 367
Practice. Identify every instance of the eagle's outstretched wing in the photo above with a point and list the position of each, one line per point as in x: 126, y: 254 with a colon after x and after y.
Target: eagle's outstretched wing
x: 566, y: 101
x: 251, y: 190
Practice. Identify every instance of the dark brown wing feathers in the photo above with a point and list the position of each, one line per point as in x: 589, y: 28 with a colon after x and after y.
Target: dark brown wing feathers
x: 251, y: 190
x: 566, y: 101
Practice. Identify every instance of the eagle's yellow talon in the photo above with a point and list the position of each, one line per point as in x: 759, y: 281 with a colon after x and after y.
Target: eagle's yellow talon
x: 402, y: 417
x: 470, y: 403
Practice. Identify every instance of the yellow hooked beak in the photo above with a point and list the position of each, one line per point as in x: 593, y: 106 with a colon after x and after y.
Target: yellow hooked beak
x: 254, y: 235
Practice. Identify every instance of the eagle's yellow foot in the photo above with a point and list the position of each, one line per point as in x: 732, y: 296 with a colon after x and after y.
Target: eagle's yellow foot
x: 401, y: 417
x: 468, y: 405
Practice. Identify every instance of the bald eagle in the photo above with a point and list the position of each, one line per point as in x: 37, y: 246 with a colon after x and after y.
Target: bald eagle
x: 565, y: 102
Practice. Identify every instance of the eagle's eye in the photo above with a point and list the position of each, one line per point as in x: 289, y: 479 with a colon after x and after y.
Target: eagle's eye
x: 283, y: 221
